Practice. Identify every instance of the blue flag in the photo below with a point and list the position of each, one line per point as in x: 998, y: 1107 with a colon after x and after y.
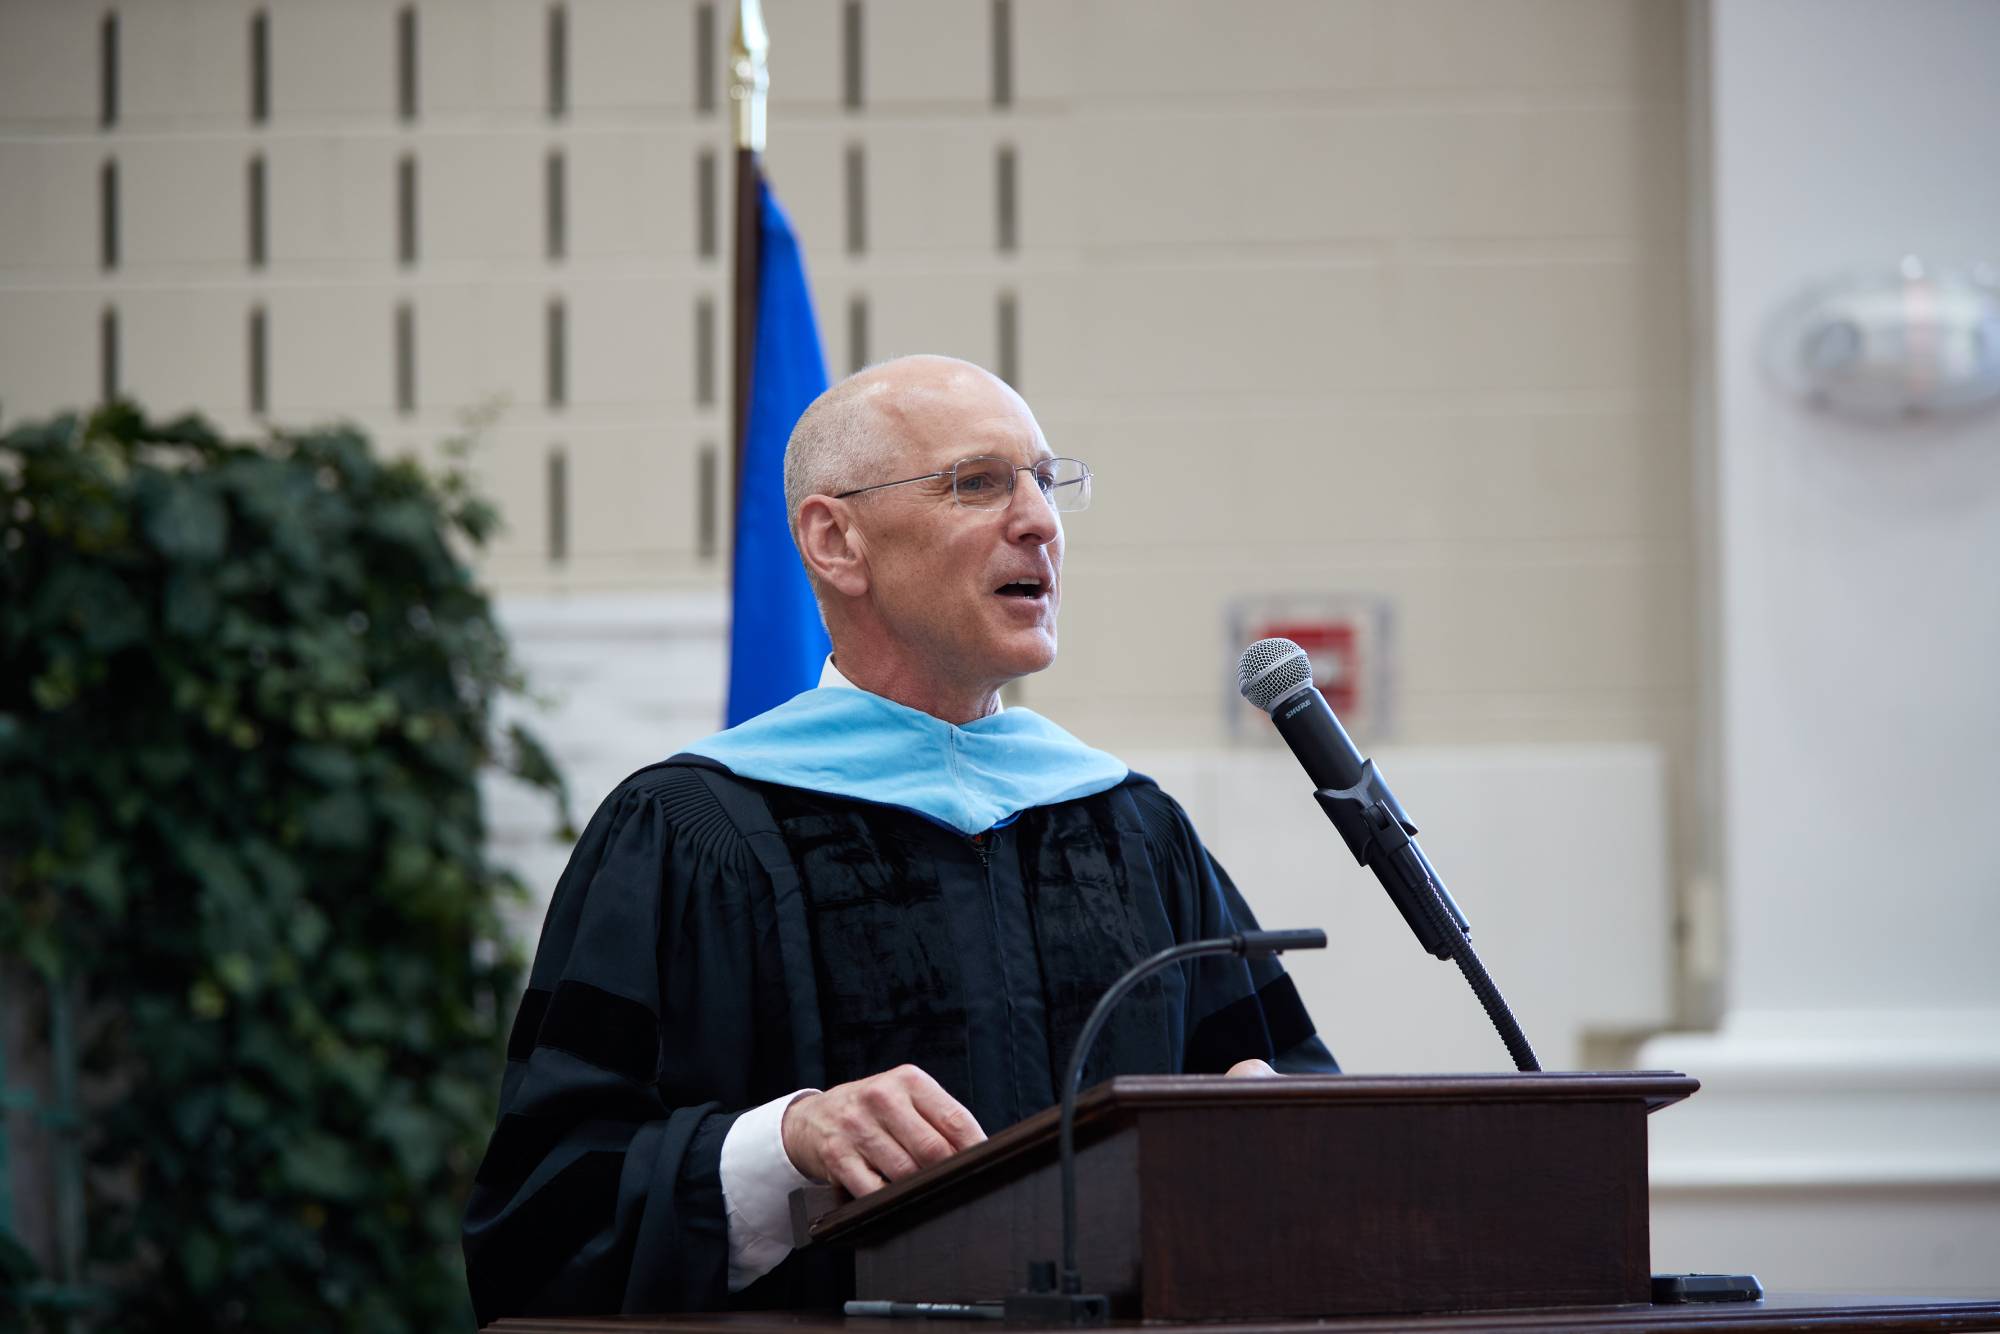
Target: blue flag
x: 776, y: 642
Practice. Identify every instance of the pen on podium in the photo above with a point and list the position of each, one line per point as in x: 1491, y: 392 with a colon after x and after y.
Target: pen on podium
x: 927, y: 1310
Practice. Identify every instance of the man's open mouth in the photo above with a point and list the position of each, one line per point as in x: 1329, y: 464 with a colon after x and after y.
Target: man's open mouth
x: 1022, y: 588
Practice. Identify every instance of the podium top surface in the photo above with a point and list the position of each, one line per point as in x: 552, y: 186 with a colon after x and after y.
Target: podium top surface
x: 1657, y: 1088
x: 1105, y: 1106
x: 1777, y: 1312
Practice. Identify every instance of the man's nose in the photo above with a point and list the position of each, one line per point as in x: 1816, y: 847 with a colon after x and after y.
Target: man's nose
x: 1031, y: 515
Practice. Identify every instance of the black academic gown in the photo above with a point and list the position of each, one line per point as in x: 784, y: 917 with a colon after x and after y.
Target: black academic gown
x: 716, y: 943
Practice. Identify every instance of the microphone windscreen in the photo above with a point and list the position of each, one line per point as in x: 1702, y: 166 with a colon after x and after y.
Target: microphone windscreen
x: 1271, y: 671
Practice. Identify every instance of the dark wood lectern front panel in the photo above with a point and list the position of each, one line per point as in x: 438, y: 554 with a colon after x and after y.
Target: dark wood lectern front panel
x: 1474, y: 1205
x: 974, y: 1250
x: 1206, y: 1198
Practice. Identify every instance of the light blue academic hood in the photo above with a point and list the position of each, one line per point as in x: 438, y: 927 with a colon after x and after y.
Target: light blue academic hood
x: 851, y: 743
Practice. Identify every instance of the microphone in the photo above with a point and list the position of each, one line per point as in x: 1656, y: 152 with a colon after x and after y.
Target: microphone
x: 1276, y: 676
x: 1045, y: 1302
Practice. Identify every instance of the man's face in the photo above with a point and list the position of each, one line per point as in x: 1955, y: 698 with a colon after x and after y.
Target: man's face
x: 936, y: 567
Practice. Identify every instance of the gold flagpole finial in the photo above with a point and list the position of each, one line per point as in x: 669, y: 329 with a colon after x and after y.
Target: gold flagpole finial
x: 749, y: 78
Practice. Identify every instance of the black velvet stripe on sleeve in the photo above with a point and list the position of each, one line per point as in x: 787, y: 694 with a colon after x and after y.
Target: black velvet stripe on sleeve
x: 1261, y: 1025
x: 527, y: 1023
x: 607, y: 1030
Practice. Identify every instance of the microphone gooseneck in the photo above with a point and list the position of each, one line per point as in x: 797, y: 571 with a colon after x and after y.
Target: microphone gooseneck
x: 1276, y: 676
x: 1069, y: 1304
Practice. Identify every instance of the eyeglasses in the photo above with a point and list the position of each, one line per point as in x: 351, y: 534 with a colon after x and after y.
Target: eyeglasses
x: 986, y: 483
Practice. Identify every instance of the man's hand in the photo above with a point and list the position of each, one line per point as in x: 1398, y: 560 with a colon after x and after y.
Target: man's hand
x: 876, y: 1130
x: 1253, y: 1068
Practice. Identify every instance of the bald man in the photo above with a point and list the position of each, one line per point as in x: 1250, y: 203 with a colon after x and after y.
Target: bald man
x: 853, y: 935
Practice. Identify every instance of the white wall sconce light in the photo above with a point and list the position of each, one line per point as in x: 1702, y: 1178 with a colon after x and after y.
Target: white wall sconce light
x: 1891, y: 344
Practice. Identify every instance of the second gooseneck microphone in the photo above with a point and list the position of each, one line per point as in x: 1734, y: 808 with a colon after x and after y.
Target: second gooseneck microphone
x: 1058, y: 1298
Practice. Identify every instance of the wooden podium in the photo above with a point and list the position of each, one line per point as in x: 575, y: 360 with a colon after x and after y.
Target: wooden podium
x: 1349, y: 1204
x: 1207, y: 1198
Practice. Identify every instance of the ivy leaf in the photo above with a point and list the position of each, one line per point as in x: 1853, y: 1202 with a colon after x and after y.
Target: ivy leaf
x: 39, y: 946
x: 187, y: 430
x: 307, y: 932
x: 406, y: 523
x: 236, y: 973
x: 108, y: 617
x: 461, y: 1097
x: 358, y: 1069
x: 245, y: 1106
x: 330, y: 766
x: 55, y: 689
x: 192, y: 605
x: 217, y: 872
x: 416, y: 1136
x: 189, y: 523
x: 338, y: 821
x: 281, y: 879
x: 318, y: 1164
x: 162, y: 766
x: 290, y: 1068
x: 100, y: 878
x: 206, y: 1000
x: 201, y: 1261
x: 195, y: 1115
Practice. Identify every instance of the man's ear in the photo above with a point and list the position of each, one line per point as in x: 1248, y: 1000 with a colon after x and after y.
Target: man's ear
x: 832, y: 546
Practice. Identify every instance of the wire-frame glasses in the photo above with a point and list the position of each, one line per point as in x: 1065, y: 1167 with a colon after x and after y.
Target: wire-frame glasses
x: 985, y: 482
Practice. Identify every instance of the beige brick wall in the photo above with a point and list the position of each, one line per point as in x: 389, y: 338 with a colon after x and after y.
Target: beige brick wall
x: 1364, y: 297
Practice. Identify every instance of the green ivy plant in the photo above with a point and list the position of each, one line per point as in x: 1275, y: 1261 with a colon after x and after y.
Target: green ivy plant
x: 246, y: 691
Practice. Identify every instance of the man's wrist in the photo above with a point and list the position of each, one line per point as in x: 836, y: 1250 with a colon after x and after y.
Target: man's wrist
x: 791, y: 1136
x: 758, y: 1178
x: 755, y: 1157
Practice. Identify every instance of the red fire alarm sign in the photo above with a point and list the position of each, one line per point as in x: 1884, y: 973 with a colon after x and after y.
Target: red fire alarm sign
x: 1335, y: 650
x: 1347, y: 638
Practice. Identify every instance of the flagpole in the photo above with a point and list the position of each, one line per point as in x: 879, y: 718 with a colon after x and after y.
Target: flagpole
x: 777, y: 644
x: 749, y: 79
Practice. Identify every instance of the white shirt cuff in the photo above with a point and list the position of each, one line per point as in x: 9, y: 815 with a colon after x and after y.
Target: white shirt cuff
x: 757, y: 1184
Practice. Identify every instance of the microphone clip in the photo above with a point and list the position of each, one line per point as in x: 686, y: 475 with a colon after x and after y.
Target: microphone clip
x: 1363, y: 814
x: 1379, y: 835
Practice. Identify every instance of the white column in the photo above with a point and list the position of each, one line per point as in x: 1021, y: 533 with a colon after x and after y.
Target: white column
x: 1848, y: 1131
x: 616, y: 681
